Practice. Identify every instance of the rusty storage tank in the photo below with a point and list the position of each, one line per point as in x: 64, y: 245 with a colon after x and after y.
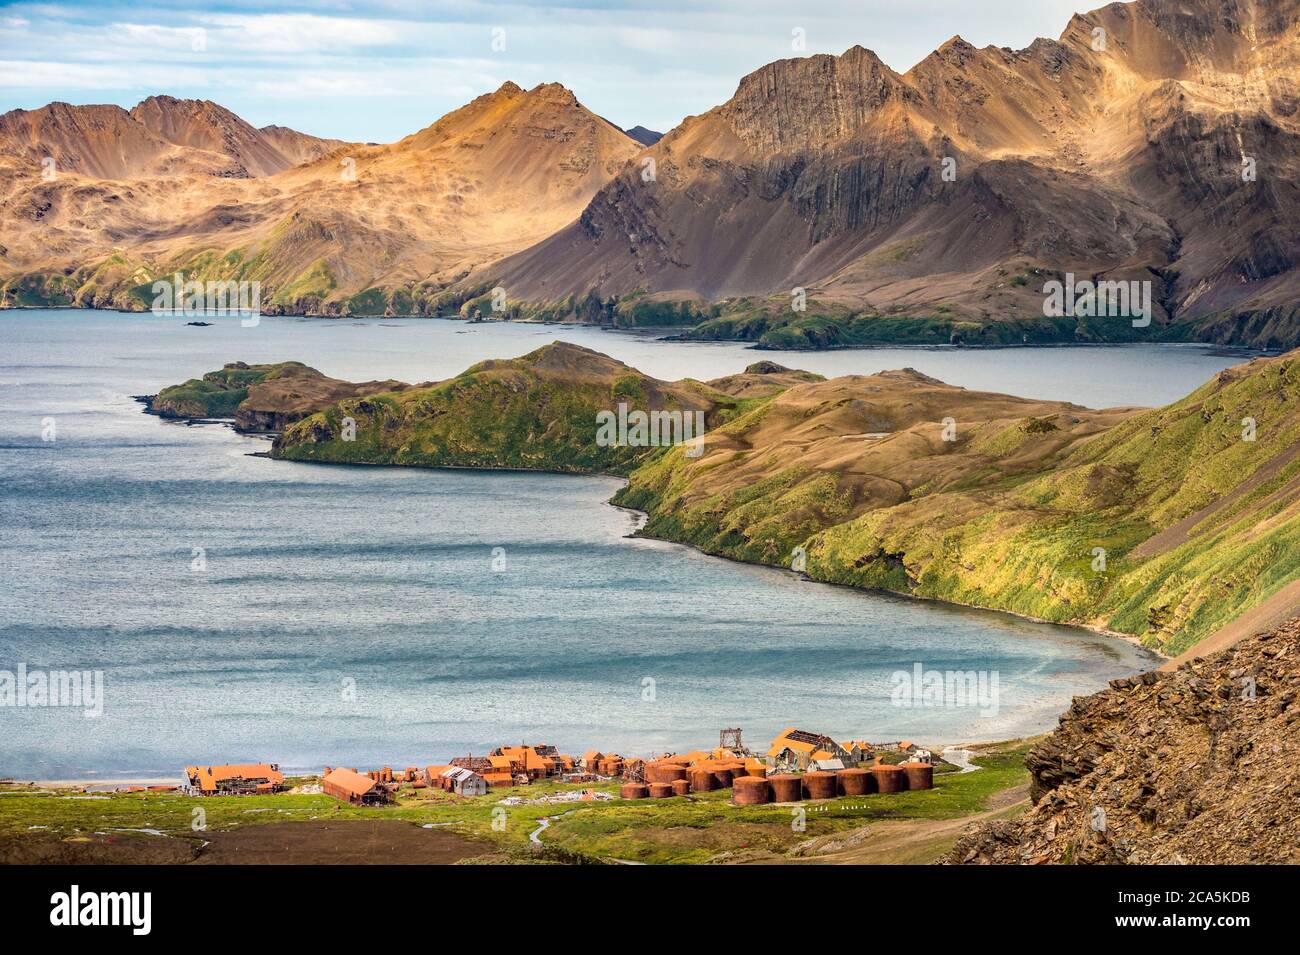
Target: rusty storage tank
x: 661, y: 790
x: 751, y: 791
x: 819, y: 785
x: 855, y: 782
x: 703, y: 781
x: 786, y: 788
x: 680, y: 787
x: 662, y: 772
x: 889, y: 779
x: 634, y: 791
x: 756, y: 768
x: 723, y: 777
x: 919, y: 775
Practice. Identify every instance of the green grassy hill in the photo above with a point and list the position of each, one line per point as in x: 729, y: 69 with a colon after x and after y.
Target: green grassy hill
x: 1197, y: 524
x: 537, y: 412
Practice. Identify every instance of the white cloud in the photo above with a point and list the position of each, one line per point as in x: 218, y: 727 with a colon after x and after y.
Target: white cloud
x: 300, y: 33
x: 37, y: 74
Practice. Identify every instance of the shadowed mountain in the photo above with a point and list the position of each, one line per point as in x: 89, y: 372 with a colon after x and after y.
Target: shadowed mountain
x: 646, y: 137
x: 1153, y: 149
x: 934, y: 205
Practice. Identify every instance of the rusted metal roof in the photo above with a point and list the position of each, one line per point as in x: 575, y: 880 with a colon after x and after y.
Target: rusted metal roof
x: 350, y: 782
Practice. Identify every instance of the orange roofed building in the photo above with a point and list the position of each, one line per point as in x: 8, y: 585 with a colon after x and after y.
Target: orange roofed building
x: 535, y: 762
x: 352, y: 787
x: 240, y: 779
x: 795, y: 750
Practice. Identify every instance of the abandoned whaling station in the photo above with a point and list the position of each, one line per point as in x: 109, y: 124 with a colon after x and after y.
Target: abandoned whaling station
x: 797, y: 765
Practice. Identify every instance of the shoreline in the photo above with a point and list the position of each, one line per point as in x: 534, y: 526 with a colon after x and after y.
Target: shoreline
x: 662, y: 333
x: 92, y: 786
x: 877, y: 591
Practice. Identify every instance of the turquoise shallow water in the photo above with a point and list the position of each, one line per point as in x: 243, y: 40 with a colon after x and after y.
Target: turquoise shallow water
x: 355, y: 616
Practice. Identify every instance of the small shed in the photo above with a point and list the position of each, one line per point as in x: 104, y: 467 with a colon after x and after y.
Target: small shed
x: 827, y: 765
x: 466, y: 782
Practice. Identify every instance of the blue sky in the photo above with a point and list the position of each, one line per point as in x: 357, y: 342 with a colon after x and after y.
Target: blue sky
x: 378, y: 71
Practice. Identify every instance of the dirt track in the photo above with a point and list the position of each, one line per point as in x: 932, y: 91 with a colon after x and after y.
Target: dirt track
x: 911, y: 842
x: 378, y: 841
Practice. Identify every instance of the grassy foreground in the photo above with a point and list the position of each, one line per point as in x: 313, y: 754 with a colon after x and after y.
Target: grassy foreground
x: 693, y: 829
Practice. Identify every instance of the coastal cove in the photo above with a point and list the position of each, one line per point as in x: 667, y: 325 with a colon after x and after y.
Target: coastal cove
x: 315, y: 575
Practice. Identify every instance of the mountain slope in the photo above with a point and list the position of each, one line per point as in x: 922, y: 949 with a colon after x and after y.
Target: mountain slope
x: 1195, y: 767
x: 1163, y: 524
x: 828, y: 174
x: 353, y: 228
x: 204, y: 125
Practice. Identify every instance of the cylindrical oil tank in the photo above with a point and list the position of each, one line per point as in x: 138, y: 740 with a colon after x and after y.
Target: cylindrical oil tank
x: 819, y: 785
x: 756, y: 769
x: 661, y: 790
x: 634, y: 791
x: 786, y: 788
x: 889, y: 779
x: 723, y: 777
x: 703, y: 781
x: 919, y: 775
x: 664, y: 772
x: 855, y: 782
x: 680, y: 787
x: 751, y: 791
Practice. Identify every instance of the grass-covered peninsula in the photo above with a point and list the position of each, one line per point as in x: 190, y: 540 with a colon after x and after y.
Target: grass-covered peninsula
x: 537, y: 412
x: 1162, y: 524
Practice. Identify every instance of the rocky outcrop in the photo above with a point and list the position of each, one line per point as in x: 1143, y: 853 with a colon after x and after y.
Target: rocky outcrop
x: 1199, y: 766
x: 260, y: 398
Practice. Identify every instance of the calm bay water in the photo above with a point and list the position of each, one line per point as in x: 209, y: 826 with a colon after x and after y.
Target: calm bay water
x: 322, y: 579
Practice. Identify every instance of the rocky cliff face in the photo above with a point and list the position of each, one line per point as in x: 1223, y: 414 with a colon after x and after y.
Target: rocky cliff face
x: 1196, y: 766
x: 1154, y: 141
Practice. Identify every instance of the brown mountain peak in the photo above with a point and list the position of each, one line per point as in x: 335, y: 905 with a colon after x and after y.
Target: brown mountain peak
x: 554, y: 93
